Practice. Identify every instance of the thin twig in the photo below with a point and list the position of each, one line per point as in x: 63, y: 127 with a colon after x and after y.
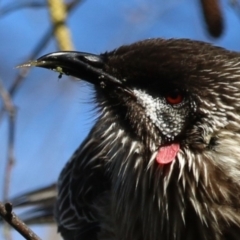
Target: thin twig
x: 42, y: 43
x: 7, y: 101
x: 18, y: 6
x: 213, y: 17
x: 11, y: 218
x: 58, y: 13
x: 10, y: 108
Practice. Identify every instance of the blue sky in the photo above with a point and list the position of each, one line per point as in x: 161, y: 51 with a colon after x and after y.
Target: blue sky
x: 54, y: 116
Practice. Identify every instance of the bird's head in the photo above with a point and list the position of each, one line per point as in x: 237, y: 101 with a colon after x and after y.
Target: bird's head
x: 179, y: 103
x: 169, y: 94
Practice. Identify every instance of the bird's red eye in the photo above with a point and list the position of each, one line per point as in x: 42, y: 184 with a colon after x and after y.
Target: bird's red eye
x: 174, y: 97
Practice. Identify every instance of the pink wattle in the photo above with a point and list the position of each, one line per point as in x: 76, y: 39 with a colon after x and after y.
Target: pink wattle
x: 167, y: 154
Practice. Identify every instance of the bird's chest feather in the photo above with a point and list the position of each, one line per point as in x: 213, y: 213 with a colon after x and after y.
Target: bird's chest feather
x: 191, y: 198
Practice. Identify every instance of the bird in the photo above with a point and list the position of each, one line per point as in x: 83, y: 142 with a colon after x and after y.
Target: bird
x: 162, y: 161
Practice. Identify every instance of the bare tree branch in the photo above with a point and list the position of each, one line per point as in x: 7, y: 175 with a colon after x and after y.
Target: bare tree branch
x: 11, y: 218
x: 10, y: 108
x: 20, y: 5
x: 58, y: 13
x: 42, y: 43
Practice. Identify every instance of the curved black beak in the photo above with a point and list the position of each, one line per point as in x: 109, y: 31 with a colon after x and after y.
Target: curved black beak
x: 81, y: 65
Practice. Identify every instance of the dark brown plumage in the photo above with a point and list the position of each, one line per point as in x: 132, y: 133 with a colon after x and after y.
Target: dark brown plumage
x: 163, y: 159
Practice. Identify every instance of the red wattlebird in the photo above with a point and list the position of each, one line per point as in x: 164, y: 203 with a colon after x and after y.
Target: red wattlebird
x: 163, y: 159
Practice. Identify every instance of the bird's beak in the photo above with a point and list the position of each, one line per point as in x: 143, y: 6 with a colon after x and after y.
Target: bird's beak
x: 81, y: 65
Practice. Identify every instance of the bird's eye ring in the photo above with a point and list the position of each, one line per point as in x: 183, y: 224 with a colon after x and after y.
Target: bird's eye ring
x: 174, y: 97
